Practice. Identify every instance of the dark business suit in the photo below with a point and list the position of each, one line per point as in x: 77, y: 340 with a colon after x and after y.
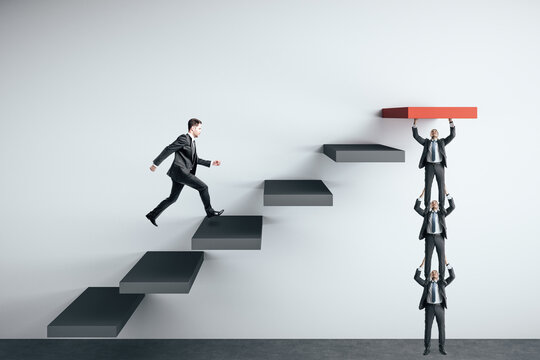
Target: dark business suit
x: 434, y: 310
x: 434, y: 169
x: 434, y: 240
x: 182, y: 172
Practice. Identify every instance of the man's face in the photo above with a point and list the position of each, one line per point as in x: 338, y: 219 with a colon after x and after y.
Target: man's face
x: 434, y: 134
x: 434, y: 205
x: 435, y: 275
x: 196, y: 130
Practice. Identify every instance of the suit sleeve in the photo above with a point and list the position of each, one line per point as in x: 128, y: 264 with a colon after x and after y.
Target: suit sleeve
x: 204, y: 162
x: 418, y: 209
x: 451, y: 276
x: 417, y: 137
x: 451, y: 207
x: 418, y: 279
x: 451, y: 136
x: 178, y: 144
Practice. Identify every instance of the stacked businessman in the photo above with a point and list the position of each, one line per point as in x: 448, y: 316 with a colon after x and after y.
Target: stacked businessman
x: 434, y: 231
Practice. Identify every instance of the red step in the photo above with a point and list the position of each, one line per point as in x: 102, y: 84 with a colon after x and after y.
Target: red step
x: 431, y: 112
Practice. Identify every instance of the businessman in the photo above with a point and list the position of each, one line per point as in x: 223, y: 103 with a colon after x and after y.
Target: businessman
x: 182, y: 171
x: 433, y: 229
x: 434, y: 302
x: 433, y: 159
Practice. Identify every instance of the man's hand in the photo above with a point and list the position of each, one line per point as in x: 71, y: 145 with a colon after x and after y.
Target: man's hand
x: 414, y: 123
x: 153, y: 167
x: 422, y: 194
x: 216, y: 163
x: 423, y: 261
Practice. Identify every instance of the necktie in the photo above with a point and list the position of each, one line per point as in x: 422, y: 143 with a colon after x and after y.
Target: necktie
x: 433, y: 219
x: 433, y: 144
x: 433, y: 290
x: 193, y: 151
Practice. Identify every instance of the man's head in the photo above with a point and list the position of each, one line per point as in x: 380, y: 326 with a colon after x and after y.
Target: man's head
x: 434, y: 275
x: 194, y: 127
x: 434, y: 134
x: 434, y: 205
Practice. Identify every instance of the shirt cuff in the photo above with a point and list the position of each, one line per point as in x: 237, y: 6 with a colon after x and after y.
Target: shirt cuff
x: 449, y: 197
x: 452, y: 124
x: 448, y: 266
x: 419, y: 199
x: 419, y: 269
x: 414, y: 126
x: 155, y: 165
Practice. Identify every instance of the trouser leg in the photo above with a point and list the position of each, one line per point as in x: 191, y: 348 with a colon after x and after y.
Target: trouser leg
x: 439, y: 174
x: 428, y: 253
x: 175, y: 192
x: 439, y: 245
x: 429, y: 314
x: 194, y: 182
x: 428, y: 182
x: 439, y: 313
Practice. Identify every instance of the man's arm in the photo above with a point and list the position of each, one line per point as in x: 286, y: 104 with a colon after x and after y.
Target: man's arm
x: 178, y: 144
x: 451, y: 205
x: 204, y: 162
x: 415, y: 135
x: 451, y: 274
x: 452, y: 133
x: 417, y: 206
x: 417, y: 276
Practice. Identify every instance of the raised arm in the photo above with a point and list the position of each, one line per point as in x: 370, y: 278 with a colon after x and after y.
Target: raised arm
x: 417, y: 203
x: 452, y: 133
x: 415, y: 135
x: 451, y: 275
x: 417, y: 273
x: 451, y: 205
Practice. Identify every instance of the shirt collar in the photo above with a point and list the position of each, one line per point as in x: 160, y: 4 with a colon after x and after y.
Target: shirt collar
x: 191, y: 136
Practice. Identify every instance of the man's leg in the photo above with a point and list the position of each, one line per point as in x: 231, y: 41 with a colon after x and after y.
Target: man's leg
x: 439, y: 245
x: 439, y: 313
x: 428, y: 252
x: 430, y: 313
x: 428, y: 182
x: 194, y: 182
x: 175, y: 192
x: 439, y: 174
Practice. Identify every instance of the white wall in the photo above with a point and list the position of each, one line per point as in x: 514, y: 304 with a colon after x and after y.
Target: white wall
x: 91, y: 91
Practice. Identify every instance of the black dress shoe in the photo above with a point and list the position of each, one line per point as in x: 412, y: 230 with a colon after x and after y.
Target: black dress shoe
x: 152, y: 220
x: 426, y: 351
x: 442, y: 351
x: 214, y: 213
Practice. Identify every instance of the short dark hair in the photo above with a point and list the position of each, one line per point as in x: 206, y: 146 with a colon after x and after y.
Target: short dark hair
x: 193, y: 122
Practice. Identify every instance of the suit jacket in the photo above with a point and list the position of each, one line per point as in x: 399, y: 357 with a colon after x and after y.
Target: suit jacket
x: 426, y: 142
x: 443, y: 213
x: 185, y: 158
x: 442, y: 284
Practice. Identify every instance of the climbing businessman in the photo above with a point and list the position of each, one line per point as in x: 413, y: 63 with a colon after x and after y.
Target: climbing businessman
x: 434, y: 229
x: 434, y: 302
x: 433, y: 159
x: 182, y: 170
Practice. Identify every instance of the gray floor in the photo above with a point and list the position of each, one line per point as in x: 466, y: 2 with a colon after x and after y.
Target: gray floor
x: 58, y: 349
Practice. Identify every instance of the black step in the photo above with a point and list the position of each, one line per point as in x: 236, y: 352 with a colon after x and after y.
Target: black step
x: 97, y: 312
x: 163, y: 272
x: 296, y: 193
x: 228, y: 233
x: 363, y: 153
